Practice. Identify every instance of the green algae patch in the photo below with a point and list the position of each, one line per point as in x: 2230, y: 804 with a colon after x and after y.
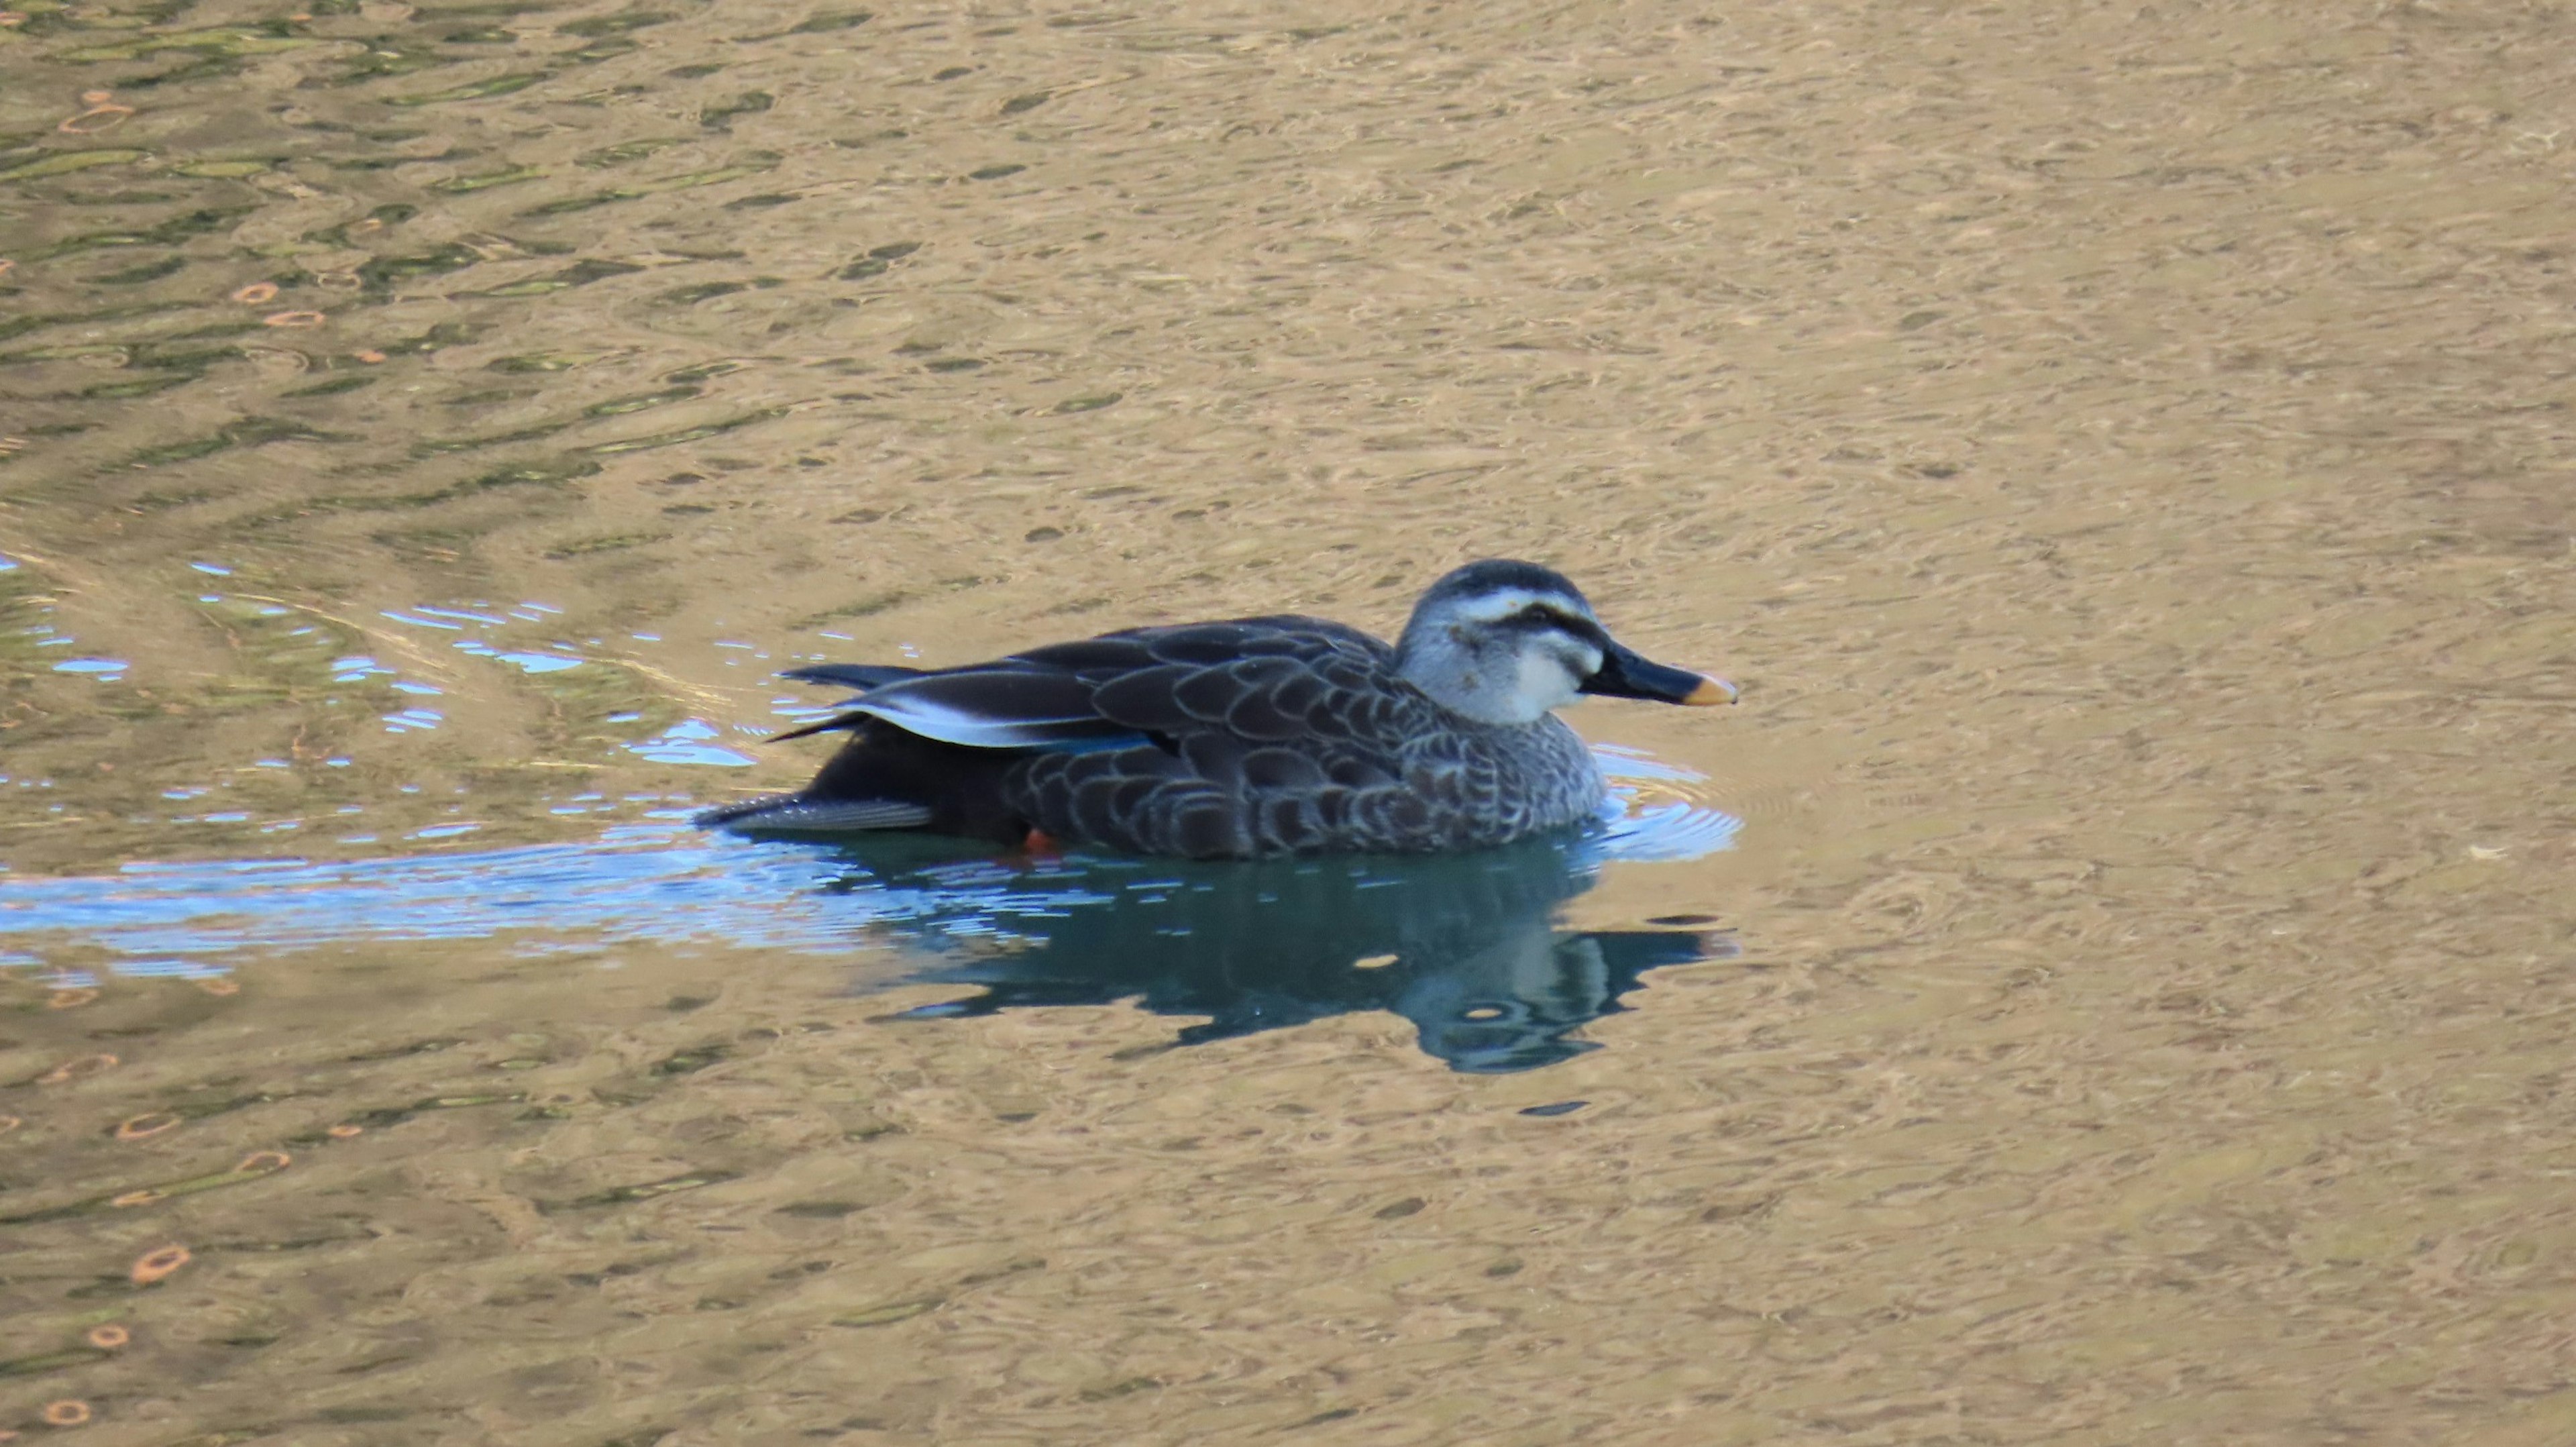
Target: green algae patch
x: 892, y: 1312
x: 248, y: 432
x: 687, y: 434
x: 218, y: 170
x: 458, y: 185
x: 219, y: 42
x: 643, y: 1191
x: 612, y: 543
x: 63, y: 163
x: 761, y: 163
x: 476, y: 90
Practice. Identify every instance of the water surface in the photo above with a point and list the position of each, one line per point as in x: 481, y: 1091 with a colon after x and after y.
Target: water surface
x: 2107, y: 983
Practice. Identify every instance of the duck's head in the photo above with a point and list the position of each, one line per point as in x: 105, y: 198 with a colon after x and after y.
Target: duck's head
x: 1503, y: 642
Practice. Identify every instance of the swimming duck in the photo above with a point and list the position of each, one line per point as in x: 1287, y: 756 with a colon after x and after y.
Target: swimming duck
x: 1252, y: 738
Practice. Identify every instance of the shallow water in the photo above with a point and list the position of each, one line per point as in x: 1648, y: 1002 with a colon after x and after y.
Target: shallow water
x: 2109, y: 981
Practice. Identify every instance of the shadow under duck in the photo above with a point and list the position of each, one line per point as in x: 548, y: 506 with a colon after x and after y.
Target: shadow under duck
x: 1464, y: 945
x: 1253, y: 738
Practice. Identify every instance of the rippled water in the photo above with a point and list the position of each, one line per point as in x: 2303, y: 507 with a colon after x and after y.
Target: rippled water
x: 2108, y: 983
x: 1462, y: 947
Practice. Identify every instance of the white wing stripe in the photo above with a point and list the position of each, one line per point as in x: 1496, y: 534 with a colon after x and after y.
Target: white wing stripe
x: 934, y: 720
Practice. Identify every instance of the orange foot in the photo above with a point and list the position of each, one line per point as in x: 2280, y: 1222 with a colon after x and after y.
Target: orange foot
x: 1041, y: 845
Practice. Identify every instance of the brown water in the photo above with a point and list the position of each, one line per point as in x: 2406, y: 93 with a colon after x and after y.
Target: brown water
x: 2125, y: 451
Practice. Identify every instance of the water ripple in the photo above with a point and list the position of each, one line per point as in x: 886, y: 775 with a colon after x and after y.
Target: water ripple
x: 661, y: 882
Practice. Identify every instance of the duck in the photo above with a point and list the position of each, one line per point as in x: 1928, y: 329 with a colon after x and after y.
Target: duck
x: 1249, y: 738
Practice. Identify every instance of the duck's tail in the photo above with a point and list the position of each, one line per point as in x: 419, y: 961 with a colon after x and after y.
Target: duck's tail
x: 861, y: 676
x: 801, y: 814
x: 886, y: 777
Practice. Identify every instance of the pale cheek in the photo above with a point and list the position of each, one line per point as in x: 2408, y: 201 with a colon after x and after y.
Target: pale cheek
x: 1543, y: 685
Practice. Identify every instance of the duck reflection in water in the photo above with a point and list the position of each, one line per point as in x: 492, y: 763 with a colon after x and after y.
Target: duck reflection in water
x: 1462, y: 945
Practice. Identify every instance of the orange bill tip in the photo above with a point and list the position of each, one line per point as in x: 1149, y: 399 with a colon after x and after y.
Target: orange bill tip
x: 1711, y: 691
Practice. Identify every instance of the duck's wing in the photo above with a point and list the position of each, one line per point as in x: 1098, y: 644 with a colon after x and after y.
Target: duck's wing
x: 1257, y: 676
x: 1259, y: 681
x: 1273, y: 736
x: 1001, y: 705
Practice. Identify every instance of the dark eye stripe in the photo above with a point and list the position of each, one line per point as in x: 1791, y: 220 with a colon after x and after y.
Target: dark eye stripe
x: 1540, y: 615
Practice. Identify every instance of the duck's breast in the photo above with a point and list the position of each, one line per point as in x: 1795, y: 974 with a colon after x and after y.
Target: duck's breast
x: 1493, y: 785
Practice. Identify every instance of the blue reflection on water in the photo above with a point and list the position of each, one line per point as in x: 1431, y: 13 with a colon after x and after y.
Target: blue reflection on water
x: 1465, y: 946
x: 422, y: 622
x: 686, y: 742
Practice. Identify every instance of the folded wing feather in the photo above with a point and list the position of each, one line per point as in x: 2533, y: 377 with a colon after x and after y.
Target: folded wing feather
x: 1115, y: 691
x: 993, y: 707
x: 861, y: 676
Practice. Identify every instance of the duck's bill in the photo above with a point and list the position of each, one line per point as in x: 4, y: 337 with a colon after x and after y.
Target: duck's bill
x: 1625, y: 675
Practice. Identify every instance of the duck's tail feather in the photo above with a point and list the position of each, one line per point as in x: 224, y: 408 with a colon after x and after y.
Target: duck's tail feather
x: 823, y: 726
x: 796, y: 814
x: 886, y: 778
x: 861, y: 676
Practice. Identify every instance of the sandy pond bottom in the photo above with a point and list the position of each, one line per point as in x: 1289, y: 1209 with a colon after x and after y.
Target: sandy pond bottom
x: 2108, y: 984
